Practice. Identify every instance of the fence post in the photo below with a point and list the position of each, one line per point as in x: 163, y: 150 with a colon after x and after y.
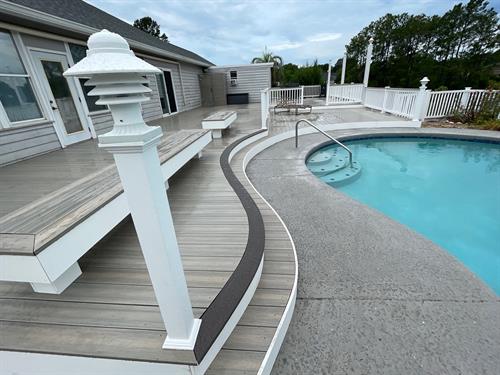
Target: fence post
x: 328, y: 82
x: 302, y: 95
x: 134, y: 147
x: 264, y: 107
x: 464, y: 101
x: 422, y: 101
x: 384, y: 102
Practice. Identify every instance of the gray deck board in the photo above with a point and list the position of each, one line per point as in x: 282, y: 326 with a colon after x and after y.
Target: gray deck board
x: 111, y: 311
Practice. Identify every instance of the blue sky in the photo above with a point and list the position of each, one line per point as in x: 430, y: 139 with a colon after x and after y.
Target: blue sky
x: 233, y: 32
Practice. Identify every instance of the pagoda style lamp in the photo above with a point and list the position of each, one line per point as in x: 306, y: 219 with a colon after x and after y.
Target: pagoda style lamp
x: 369, y: 52
x: 118, y: 77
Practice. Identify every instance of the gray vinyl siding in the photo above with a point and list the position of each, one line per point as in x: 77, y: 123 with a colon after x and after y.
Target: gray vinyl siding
x: 192, y: 89
x: 103, y: 122
x: 17, y: 144
x: 251, y: 80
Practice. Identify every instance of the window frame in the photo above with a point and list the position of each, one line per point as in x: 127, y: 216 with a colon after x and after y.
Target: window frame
x: 5, y: 122
x: 231, y: 74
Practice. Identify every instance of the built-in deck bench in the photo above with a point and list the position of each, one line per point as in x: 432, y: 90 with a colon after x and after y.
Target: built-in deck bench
x: 41, y: 242
x: 219, y: 121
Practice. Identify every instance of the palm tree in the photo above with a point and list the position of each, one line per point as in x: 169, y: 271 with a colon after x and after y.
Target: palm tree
x: 267, y: 57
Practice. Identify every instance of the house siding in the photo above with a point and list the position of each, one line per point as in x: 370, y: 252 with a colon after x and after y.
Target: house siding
x: 251, y: 79
x: 21, y: 143
x: 192, y: 90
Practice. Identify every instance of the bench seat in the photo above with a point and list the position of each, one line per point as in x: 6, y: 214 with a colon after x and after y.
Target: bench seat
x: 219, y: 121
x: 41, y: 242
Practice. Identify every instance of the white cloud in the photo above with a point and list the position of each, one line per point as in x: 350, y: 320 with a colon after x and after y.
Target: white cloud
x: 285, y: 46
x: 235, y: 31
x: 324, y: 37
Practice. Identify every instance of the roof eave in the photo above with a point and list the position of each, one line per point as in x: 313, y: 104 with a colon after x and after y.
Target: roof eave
x: 35, y: 16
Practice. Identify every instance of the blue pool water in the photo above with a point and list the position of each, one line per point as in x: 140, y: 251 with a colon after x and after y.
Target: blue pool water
x: 447, y: 190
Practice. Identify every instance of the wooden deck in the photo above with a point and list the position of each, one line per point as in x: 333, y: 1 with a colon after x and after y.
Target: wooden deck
x: 111, y: 312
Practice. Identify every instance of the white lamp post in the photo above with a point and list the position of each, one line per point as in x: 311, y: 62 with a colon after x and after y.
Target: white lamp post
x: 117, y: 75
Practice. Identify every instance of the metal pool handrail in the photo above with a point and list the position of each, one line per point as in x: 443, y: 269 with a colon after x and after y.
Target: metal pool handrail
x: 322, y: 132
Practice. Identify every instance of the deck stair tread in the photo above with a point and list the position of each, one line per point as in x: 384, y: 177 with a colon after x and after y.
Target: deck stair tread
x: 110, y: 311
x: 31, y: 228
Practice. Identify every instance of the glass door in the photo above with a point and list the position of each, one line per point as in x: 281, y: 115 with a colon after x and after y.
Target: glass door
x: 63, y: 97
x: 170, y: 91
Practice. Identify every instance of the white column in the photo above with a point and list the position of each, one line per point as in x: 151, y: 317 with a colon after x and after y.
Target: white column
x: 369, y: 51
x: 328, y: 81
x: 120, y: 86
x: 422, y: 101
x: 344, y: 63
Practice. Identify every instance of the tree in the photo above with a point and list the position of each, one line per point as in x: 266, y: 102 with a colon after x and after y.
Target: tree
x: 457, y: 49
x: 267, y: 57
x: 150, y: 26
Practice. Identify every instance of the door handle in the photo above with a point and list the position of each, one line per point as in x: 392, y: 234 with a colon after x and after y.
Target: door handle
x: 53, y: 108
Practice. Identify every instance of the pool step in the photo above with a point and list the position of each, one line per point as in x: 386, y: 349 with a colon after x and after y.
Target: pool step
x: 320, y: 158
x: 343, y: 175
x: 326, y: 167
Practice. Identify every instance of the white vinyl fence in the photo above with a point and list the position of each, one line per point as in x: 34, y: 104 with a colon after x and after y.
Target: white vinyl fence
x: 445, y: 103
x: 345, y: 94
x: 294, y: 95
x: 399, y: 102
x: 312, y: 91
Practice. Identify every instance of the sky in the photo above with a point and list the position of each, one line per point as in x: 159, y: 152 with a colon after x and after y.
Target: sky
x: 233, y: 32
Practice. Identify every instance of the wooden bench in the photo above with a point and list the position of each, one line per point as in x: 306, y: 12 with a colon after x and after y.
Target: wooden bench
x: 41, y: 242
x: 219, y: 121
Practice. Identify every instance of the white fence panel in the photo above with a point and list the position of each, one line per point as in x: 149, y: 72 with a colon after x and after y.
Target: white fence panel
x: 375, y: 98
x: 445, y: 103
x: 401, y: 102
x: 344, y: 94
x: 294, y: 95
x: 312, y: 91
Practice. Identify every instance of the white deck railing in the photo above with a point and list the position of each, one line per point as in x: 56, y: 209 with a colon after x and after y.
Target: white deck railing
x: 264, y: 107
x: 399, y: 102
x: 312, y: 91
x: 344, y: 94
x: 445, y: 103
x: 293, y: 95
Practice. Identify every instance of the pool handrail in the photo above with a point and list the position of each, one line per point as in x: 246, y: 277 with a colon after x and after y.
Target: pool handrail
x: 322, y: 132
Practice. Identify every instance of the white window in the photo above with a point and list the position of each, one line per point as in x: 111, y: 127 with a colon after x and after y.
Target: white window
x: 17, y: 99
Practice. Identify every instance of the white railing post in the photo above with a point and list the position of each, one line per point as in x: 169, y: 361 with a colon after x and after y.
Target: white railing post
x: 328, y: 82
x: 422, y: 101
x: 120, y: 86
x: 302, y: 95
x: 344, y: 63
x: 465, y: 97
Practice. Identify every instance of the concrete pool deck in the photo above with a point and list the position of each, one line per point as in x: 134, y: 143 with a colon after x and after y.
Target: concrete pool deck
x: 374, y: 297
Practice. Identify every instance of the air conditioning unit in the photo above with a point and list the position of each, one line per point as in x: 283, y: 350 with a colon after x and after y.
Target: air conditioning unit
x: 234, y: 82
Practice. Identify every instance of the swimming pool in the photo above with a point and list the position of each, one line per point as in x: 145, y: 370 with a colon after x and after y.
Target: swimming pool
x: 447, y: 190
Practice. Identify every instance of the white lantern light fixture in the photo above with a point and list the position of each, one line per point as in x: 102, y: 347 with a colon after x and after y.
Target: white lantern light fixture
x: 118, y: 77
